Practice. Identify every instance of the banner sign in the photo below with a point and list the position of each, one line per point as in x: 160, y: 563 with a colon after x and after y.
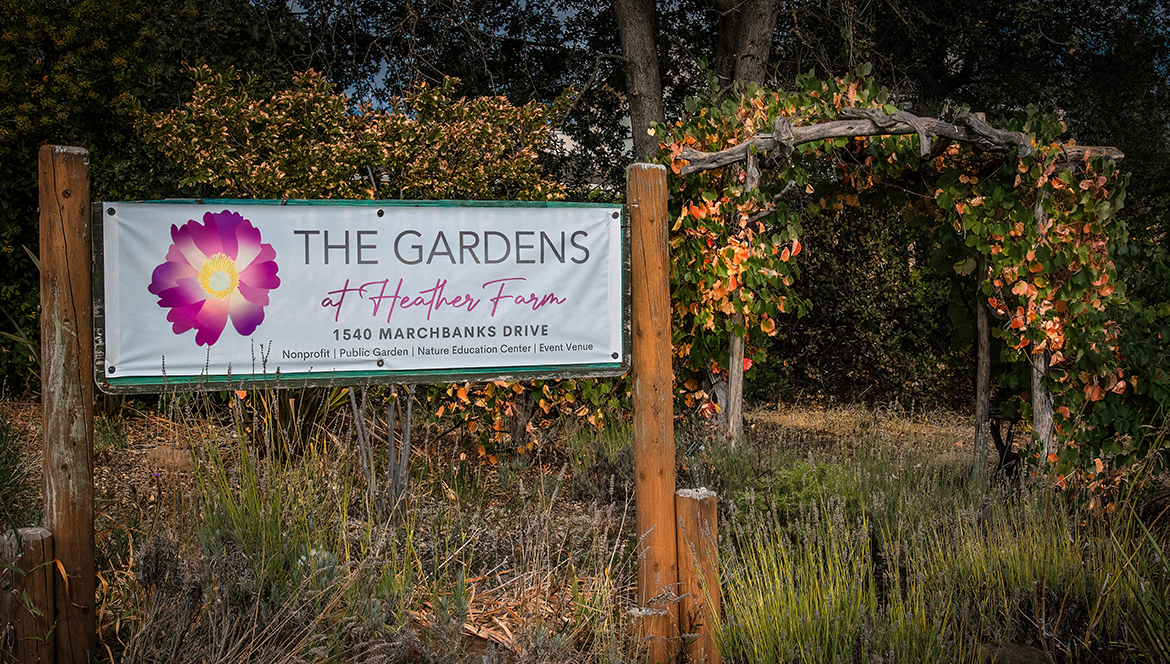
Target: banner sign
x: 195, y: 295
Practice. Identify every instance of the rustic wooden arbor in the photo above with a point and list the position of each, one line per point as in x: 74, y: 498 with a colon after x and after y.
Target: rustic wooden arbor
x: 661, y: 557
x: 968, y: 128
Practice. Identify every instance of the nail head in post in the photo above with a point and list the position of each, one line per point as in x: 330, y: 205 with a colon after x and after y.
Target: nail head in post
x: 110, y: 211
x: 381, y: 213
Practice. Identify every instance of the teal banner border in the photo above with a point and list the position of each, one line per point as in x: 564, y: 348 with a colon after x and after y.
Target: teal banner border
x: 247, y: 380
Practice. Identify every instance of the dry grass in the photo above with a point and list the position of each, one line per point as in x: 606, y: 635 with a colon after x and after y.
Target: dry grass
x: 480, y: 562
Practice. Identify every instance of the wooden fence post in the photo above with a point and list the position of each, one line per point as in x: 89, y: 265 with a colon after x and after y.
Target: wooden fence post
x: 698, y: 571
x: 657, y: 612
x: 26, y: 607
x: 67, y: 391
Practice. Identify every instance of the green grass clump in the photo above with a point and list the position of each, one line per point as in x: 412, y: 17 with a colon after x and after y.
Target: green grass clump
x: 892, y: 554
x: 810, y: 592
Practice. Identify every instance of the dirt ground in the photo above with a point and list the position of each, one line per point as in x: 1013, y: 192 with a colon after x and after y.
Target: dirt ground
x: 135, y: 470
x: 139, y: 462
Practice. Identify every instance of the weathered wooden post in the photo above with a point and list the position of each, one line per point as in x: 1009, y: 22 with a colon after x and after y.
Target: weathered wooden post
x: 698, y: 571
x: 982, y: 372
x: 67, y: 384
x: 26, y: 604
x: 657, y: 612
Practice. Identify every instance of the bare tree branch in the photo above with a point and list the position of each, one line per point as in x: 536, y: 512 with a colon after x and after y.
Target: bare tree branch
x: 871, y: 122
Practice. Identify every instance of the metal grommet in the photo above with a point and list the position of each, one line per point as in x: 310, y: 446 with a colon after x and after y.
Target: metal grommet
x: 381, y: 213
x: 110, y: 211
x: 381, y: 363
x: 616, y: 215
x: 614, y: 356
x: 110, y: 370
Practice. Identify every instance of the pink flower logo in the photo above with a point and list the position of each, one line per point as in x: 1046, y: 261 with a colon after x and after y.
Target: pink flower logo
x: 215, y: 270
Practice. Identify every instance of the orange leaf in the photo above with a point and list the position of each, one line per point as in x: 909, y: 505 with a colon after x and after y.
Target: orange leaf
x: 784, y: 254
x: 747, y: 363
x: 795, y: 247
x: 1094, y: 392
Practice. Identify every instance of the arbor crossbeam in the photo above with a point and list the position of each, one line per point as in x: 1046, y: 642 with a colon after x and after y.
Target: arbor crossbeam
x: 856, y: 122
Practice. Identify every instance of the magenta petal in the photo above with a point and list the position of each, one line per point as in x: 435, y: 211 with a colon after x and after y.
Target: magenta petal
x: 210, y: 322
x: 246, y: 316
x: 184, y: 317
x: 264, y: 253
x: 168, y: 274
x: 227, y: 222
x: 184, y: 249
x: 206, y: 235
x: 260, y: 275
x: 187, y: 291
x: 248, y: 238
x: 254, y: 295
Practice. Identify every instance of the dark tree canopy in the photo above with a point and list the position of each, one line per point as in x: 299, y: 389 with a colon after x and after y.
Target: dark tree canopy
x: 74, y: 73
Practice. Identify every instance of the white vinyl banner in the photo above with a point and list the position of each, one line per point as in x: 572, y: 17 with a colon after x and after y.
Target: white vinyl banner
x: 316, y: 290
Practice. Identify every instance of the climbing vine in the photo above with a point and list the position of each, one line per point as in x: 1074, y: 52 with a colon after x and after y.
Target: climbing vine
x: 1043, y: 214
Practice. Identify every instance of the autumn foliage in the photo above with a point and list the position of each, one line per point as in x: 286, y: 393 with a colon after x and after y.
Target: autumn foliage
x: 1047, y: 227
x: 308, y: 142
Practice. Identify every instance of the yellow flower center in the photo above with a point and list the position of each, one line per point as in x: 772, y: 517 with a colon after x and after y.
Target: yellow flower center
x: 218, y: 276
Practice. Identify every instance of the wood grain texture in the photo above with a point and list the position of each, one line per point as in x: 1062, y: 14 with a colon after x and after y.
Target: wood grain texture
x: 698, y: 571
x: 653, y: 428
x: 68, y: 390
x: 26, y: 584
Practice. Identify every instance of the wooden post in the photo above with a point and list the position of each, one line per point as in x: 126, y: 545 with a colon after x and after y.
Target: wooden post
x: 67, y: 386
x: 657, y: 612
x: 26, y: 607
x: 733, y: 409
x: 698, y: 571
x: 1042, y: 406
x: 734, y: 412
x: 982, y: 372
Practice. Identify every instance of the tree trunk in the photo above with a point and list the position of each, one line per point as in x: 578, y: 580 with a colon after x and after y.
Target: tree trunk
x: 745, y: 39
x: 982, y: 372
x: 635, y: 19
